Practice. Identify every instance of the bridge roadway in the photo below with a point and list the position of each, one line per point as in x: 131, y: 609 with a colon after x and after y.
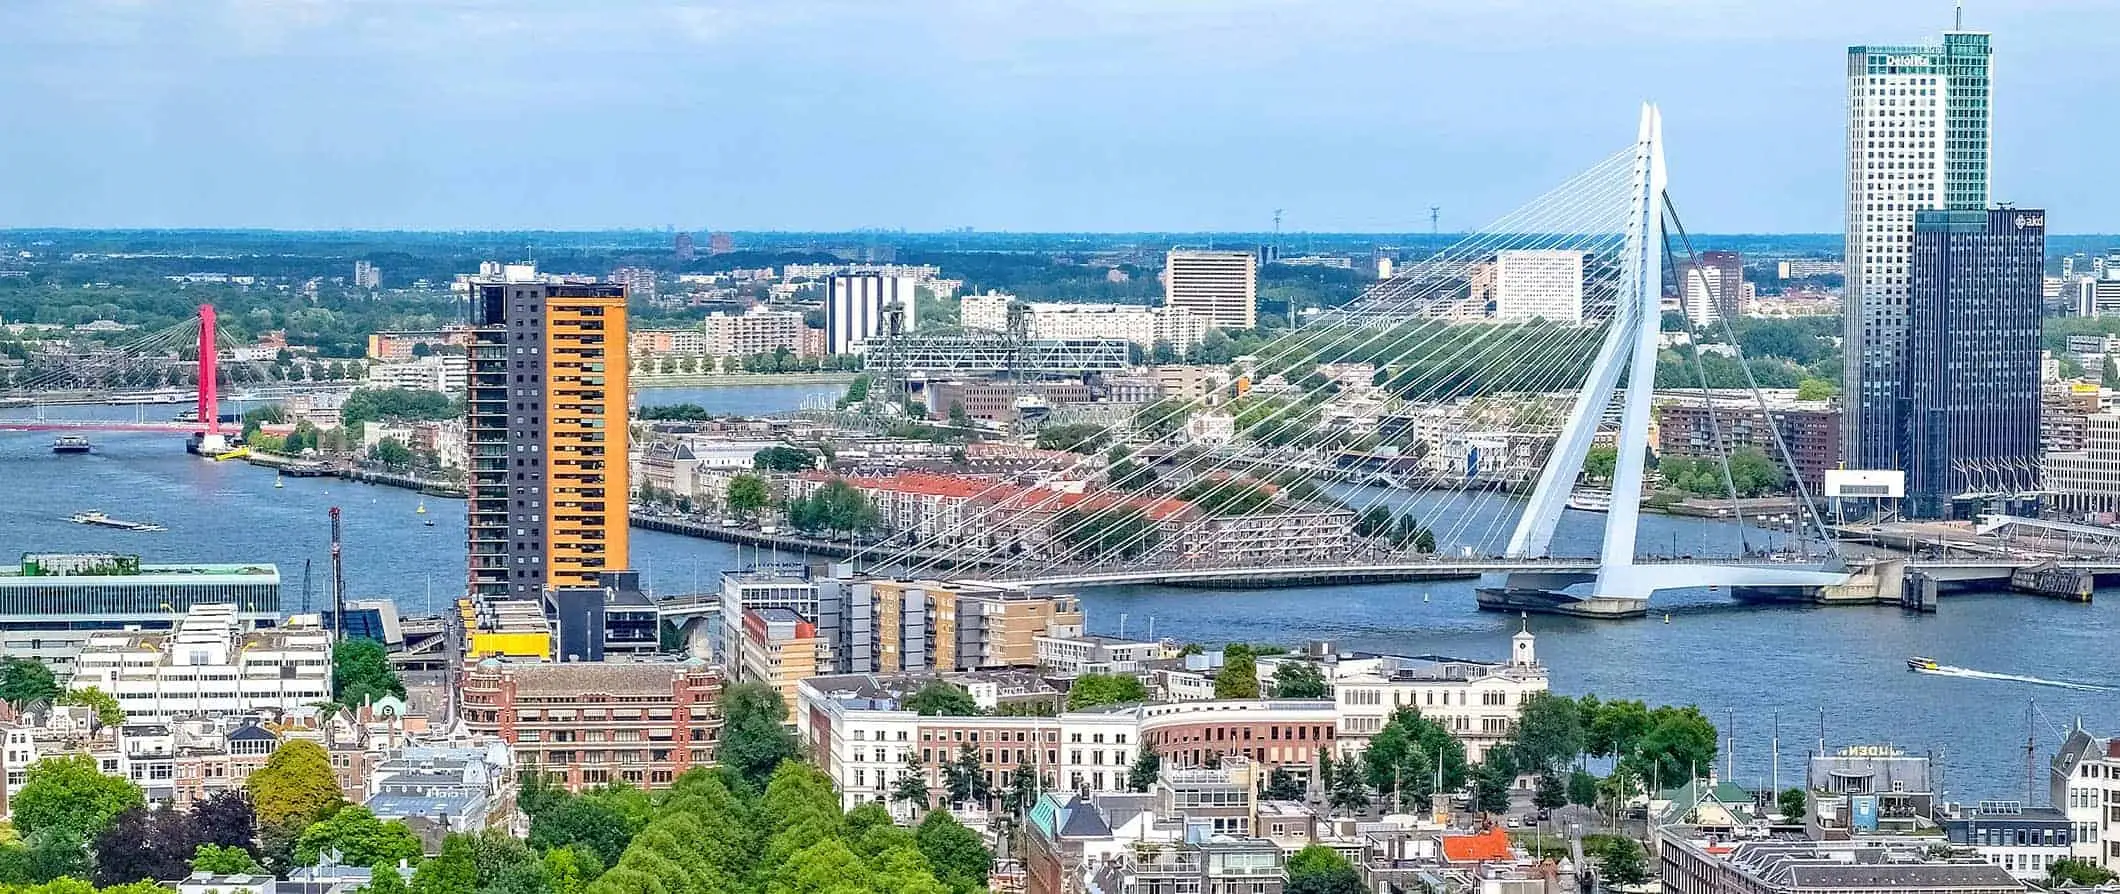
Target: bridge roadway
x: 1948, y: 570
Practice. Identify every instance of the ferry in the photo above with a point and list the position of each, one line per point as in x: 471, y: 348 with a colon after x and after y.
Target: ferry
x: 1918, y: 663
x: 71, y: 444
x: 104, y: 521
x: 1590, y: 500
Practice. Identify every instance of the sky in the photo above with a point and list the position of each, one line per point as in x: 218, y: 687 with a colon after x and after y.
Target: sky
x: 1024, y: 115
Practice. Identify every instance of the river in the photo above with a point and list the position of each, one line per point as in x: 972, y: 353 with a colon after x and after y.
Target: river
x: 1746, y: 662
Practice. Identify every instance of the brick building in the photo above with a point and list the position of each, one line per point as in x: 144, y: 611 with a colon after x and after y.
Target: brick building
x: 588, y: 723
x: 1811, y: 429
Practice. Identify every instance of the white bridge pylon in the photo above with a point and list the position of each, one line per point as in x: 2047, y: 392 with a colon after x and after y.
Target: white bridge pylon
x: 1630, y: 346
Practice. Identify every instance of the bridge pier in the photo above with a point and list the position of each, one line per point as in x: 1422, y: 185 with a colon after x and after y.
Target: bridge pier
x: 1551, y: 602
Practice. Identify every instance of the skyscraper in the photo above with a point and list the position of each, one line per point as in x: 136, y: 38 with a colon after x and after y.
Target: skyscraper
x: 1970, y: 382
x: 1219, y: 286
x: 1918, y: 139
x: 859, y: 306
x: 546, y: 422
x: 1714, y: 289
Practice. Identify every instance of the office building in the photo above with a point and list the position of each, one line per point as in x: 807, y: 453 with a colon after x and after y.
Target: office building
x: 1220, y: 287
x: 862, y: 306
x: 546, y: 422
x: 1918, y: 139
x: 1969, y: 393
x: 1538, y: 284
x: 52, y: 603
x: 366, y: 275
x: 589, y: 723
x: 212, y: 664
x: 2024, y: 841
x: 2084, y: 482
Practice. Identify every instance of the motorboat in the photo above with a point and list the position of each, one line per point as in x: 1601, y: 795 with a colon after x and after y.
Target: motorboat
x: 71, y: 444
x: 1918, y: 663
x: 1590, y: 500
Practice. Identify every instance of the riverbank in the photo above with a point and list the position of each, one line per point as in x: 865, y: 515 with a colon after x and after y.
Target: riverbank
x: 731, y: 380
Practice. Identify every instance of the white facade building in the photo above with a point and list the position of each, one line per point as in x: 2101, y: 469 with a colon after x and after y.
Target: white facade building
x: 1702, y: 300
x: 986, y: 313
x: 1478, y: 701
x: 209, y: 665
x: 1543, y: 284
x: 858, y: 305
x: 756, y: 331
x: 446, y: 373
x: 1221, y: 287
x: 2084, y: 781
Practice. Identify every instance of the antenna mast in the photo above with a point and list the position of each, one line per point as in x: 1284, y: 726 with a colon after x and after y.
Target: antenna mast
x: 338, y: 583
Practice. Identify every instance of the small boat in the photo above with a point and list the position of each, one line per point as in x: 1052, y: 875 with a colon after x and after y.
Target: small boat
x: 1918, y: 663
x: 71, y: 444
x: 1590, y: 500
x: 422, y: 510
x: 104, y: 521
x: 276, y: 482
x: 429, y: 523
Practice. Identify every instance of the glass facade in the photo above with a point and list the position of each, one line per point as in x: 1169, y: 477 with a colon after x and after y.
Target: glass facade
x: 158, y: 591
x: 1969, y: 411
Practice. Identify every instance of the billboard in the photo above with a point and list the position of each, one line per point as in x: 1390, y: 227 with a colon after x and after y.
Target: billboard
x: 1888, y: 484
x: 1864, y: 812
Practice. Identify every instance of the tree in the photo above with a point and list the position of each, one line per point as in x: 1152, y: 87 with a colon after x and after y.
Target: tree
x: 1403, y: 759
x: 221, y: 860
x: 1347, y: 792
x: 753, y: 740
x: 586, y: 825
x: 385, y: 879
x: 1239, y: 677
x: 959, y: 858
x: 1794, y: 804
x: 911, y: 786
x: 1752, y: 473
x: 1599, y: 463
x: 1622, y: 862
x: 1118, y: 531
x: 965, y: 780
x: 2077, y: 872
x: 23, y: 681
x: 1550, y: 793
x: 1549, y: 732
x: 1582, y: 788
x: 121, y: 851
x: 1318, y: 869
x: 1679, y: 745
x: 1298, y: 679
x: 391, y: 452
x: 1147, y: 765
x: 941, y: 698
x: 358, y: 838
x: 1815, y: 389
x: 226, y: 819
x: 452, y: 871
x: 1092, y: 690
x: 958, y: 417
x: 782, y: 458
x: 103, y: 707
x: 361, y: 673
x: 69, y: 796
x: 295, y: 788
x: 747, y: 494
x: 2110, y: 376
x: 1374, y: 521
x: 1282, y: 785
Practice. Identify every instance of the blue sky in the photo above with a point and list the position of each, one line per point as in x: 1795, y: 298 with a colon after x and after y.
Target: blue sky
x: 994, y: 114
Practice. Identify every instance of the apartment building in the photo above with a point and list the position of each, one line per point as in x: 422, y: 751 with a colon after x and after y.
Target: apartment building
x: 1696, y: 866
x: 212, y: 663
x: 2083, y: 780
x: 780, y: 649
x: 589, y: 723
x: 547, y: 424
x: 755, y: 331
x: 1478, y: 701
x: 1219, y: 287
x: 2086, y: 482
x: 1690, y: 426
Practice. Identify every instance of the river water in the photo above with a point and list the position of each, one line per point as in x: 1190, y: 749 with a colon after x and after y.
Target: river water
x: 1738, y: 662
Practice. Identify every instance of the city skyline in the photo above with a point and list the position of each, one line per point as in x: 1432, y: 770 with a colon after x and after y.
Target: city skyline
x: 1099, y: 117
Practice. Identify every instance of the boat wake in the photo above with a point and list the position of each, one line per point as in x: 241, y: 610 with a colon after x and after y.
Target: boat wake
x: 1945, y: 670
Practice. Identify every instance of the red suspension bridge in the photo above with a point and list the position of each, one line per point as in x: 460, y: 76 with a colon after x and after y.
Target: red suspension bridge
x: 179, y: 364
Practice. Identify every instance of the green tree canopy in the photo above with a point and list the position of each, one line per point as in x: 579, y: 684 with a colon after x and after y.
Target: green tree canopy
x: 1092, y: 690
x: 358, y: 838
x: 70, y: 797
x: 1239, y: 676
x: 1318, y: 869
x: 23, y: 681
x: 102, y: 704
x: 747, y: 494
x: 753, y: 740
x: 296, y: 787
x: 1299, y: 679
x: 221, y: 860
x: 959, y: 858
x: 1403, y: 757
x: 941, y: 698
x: 361, y: 672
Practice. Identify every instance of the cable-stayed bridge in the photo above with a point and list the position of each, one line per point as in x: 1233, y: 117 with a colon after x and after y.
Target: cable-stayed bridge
x: 1495, y: 371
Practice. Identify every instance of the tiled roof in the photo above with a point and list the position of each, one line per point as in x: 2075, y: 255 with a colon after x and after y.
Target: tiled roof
x: 1492, y: 844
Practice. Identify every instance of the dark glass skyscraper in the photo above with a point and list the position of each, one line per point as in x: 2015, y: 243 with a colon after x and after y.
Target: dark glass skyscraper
x: 1969, y: 405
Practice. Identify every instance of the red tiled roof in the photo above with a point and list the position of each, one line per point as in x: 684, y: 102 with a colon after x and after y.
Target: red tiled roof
x: 1492, y: 844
